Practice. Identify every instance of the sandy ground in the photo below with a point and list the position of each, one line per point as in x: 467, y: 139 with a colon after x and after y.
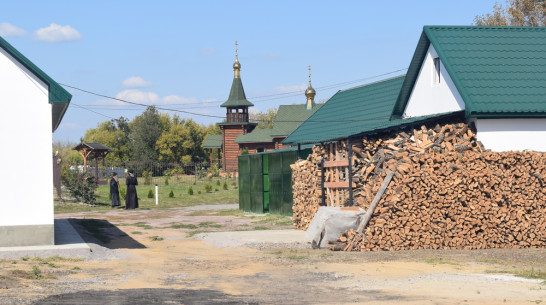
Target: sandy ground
x: 147, y: 261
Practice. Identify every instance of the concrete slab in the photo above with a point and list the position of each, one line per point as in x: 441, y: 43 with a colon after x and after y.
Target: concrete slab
x: 242, y: 238
x: 68, y: 243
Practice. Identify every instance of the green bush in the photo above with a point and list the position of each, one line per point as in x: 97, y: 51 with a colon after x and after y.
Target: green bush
x: 166, y: 180
x: 150, y: 194
x: 81, y: 186
x: 225, y: 185
x: 216, y: 190
x: 171, y: 194
x: 208, y: 188
x: 217, y: 182
x: 199, y: 192
x: 214, y: 171
x: 190, y: 191
x: 122, y: 193
x: 147, y: 177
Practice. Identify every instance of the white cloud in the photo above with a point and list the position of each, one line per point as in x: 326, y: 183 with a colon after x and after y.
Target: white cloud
x: 207, y: 51
x: 175, y: 99
x: 270, y: 56
x: 57, y: 33
x: 290, y: 89
x: 7, y: 29
x: 137, y: 96
x: 136, y: 82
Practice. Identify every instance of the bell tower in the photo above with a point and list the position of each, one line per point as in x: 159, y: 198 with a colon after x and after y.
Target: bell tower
x: 237, y: 120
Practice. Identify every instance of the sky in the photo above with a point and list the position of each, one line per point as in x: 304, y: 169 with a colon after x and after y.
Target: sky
x: 179, y: 54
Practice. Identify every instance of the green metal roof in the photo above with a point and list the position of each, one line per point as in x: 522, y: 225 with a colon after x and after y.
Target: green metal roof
x: 498, y: 71
x: 237, y: 95
x: 349, y: 112
x: 289, y: 117
x: 213, y: 141
x: 358, y: 111
x: 59, y: 98
x: 257, y: 135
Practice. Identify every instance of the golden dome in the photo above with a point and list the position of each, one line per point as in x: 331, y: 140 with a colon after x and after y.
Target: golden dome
x: 236, y: 65
x: 310, y: 92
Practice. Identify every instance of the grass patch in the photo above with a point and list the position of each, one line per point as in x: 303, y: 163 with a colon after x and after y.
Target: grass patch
x: 326, y: 254
x: 183, y: 226
x: 531, y: 274
x: 491, y: 261
x: 273, y: 219
x: 209, y: 224
x: 136, y: 232
x: 178, y: 186
x: 440, y: 261
x: 234, y: 212
x: 156, y: 238
x: 37, y: 272
x: 192, y: 233
x: 94, y: 228
x: 22, y: 274
x: 291, y: 255
x: 143, y: 225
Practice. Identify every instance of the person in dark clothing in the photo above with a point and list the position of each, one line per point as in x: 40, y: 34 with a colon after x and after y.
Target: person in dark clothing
x: 131, y: 200
x: 114, y: 190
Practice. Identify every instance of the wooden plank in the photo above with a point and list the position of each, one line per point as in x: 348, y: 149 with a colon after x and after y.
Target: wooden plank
x: 366, y: 218
x: 336, y: 163
x: 334, y: 185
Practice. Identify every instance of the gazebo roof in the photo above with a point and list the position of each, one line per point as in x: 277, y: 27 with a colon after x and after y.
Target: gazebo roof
x: 92, y: 146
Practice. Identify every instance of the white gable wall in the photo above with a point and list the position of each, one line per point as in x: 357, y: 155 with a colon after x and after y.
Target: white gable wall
x: 428, y: 98
x: 512, y: 134
x: 25, y: 126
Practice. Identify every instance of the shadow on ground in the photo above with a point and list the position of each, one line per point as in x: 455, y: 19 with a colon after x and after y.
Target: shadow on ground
x: 105, y: 234
x: 145, y: 297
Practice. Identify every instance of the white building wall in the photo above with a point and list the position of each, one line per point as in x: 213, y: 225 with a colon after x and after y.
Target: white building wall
x: 512, y: 134
x: 429, y: 97
x: 26, y: 178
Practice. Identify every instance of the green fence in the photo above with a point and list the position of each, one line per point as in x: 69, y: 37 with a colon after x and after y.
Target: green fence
x: 265, y: 181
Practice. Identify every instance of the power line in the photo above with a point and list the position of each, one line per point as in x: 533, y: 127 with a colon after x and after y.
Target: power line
x: 215, y: 116
x: 104, y: 115
x: 261, y: 98
x: 140, y: 104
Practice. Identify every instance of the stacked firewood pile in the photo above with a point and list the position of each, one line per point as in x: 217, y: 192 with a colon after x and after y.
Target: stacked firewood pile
x: 447, y: 193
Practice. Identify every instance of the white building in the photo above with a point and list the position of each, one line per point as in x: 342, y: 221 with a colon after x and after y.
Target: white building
x: 495, y: 75
x: 33, y: 105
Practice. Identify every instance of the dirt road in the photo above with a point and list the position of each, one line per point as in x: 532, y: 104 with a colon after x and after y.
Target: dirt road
x: 146, y: 257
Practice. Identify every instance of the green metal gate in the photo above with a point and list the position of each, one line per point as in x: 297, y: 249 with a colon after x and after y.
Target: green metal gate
x: 265, y: 181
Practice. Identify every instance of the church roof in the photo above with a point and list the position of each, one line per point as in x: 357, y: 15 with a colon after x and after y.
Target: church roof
x: 237, y: 95
x: 213, y: 141
x: 257, y: 135
x: 289, y: 117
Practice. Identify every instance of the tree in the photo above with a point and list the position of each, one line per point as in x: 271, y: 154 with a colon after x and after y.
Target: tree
x: 114, y: 134
x: 182, y: 142
x: 517, y: 13
x: 66, y: 153
x: 145, y: 130
x: 265, y: 120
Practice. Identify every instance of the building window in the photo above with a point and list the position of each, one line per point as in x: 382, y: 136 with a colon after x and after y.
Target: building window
x: 436, y: 71
x: 260, y: 149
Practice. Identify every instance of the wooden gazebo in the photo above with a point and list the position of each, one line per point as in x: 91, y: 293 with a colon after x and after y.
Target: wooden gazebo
x: 92, y: 151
